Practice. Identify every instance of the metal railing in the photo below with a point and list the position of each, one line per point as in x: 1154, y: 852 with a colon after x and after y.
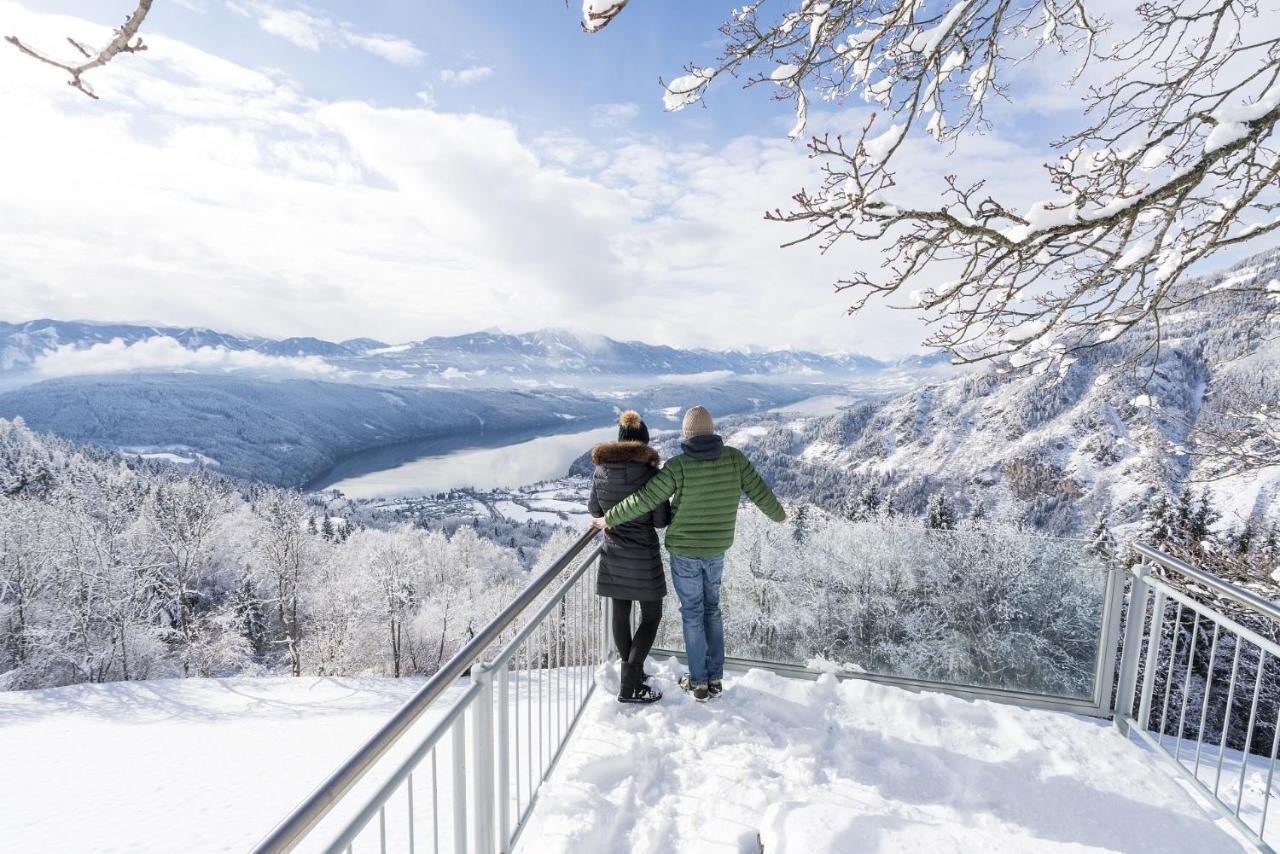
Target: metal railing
x: 1172, y: 696
x: 471, y: 780
x: 532, y: 671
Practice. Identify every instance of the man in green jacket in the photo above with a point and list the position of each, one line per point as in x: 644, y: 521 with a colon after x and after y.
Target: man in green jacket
x: 704, y: 484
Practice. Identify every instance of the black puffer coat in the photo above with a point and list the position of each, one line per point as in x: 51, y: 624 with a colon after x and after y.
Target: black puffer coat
x: 631, y: 563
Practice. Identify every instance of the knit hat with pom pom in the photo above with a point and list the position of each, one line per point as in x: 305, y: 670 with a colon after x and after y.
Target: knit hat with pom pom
x: 631, y: 427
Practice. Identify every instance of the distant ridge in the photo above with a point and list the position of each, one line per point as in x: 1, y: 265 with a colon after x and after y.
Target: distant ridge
x: 475, y: 355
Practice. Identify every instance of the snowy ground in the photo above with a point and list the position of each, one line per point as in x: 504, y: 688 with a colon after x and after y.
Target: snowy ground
x: 210, y: 765
x: 196, y: 765
x: 828, y: 766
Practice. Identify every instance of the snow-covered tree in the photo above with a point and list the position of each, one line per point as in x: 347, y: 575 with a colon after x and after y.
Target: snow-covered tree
x: 940, y: 514
x: 1102, y: 543
x: 1174, y: 160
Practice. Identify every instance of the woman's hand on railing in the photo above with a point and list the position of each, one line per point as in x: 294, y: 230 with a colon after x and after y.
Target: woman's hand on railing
x: 597, y: 523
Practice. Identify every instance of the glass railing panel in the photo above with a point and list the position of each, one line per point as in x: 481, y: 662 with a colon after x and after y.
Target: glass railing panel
x: 985, y: 607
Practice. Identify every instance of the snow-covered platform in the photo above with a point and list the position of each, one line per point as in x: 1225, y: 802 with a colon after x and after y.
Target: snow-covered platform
x: 209, y: 765
x: 802, y: 767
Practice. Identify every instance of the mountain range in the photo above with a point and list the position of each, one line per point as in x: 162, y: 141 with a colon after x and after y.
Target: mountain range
x: 29, y: 350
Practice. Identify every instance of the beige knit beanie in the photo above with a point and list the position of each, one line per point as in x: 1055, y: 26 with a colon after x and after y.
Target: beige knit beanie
x: 697, y: 422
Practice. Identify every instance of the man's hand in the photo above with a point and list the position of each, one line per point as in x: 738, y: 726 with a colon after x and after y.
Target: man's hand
x: 597, y: 523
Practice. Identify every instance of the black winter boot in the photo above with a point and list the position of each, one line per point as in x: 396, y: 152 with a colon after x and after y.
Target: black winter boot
x: 643, y: 694
x: 629, y: 681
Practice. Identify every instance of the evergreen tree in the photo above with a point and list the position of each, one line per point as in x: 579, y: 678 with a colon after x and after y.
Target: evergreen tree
x: 326, y: 528
x: 801, y: 531
x: 940, y: 516
x: 979, y: 511
x: 1102, y: 543
x: 311, y: 524
x: 1159, y: 522
x: 1184, y: 519
x: 869, y: 501
x: 1203, y: 519
x: 1244, y: 539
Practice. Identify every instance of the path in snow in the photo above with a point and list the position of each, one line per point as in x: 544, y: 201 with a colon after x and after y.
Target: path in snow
x: 852, y: 766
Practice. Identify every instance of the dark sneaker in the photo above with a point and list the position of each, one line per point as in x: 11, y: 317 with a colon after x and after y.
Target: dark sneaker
x: 698, y: 689
x: 715, y: 688
x: 642, y: 694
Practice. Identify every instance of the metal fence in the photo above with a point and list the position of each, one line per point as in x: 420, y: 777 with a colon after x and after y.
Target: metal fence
x: 1172, y: 693
x: 472, y: 778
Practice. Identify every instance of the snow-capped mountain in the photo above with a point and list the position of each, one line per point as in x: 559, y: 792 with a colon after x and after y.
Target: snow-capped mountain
x: 27, y: 348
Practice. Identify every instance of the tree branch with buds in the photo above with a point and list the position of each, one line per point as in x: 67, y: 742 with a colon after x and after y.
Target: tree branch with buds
x: 124, y: 40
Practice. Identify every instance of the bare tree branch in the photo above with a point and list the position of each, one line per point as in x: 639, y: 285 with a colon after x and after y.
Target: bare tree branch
x: 123, y: 41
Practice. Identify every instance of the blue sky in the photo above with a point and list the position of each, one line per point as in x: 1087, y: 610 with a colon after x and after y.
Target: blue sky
x: 403, y: 168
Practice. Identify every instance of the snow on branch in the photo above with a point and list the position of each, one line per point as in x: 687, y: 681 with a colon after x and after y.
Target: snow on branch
x: 598, y: 14
x: 124, y: 40
x: 1177, y: 159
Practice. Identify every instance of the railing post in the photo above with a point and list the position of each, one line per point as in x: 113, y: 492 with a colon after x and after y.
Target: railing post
x: 482, y: 756
x: 1134, y: 628
x: 504, y: 758
x: 1153, y: 653
x: 1105, y: 671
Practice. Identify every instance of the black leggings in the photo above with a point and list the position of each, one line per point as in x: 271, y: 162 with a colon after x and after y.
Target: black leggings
x: 635, y: 649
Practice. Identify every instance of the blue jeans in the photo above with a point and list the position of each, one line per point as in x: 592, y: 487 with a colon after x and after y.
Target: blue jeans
x: 697, y: 583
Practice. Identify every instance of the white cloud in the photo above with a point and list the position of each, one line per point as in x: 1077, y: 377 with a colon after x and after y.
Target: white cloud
x: 614, y: 115
x: 260, y: 209
x: 306, y: 31
x: 466, y: 76
x: 391, y: 48
x: 162, y: 353
x: 311, y: 31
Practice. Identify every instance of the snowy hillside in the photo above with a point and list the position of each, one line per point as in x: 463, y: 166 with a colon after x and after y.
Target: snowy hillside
x: 1102, y: 433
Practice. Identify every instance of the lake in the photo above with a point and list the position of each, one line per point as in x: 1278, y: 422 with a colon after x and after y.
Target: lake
x: 492, y: 461
x: 419, y: 468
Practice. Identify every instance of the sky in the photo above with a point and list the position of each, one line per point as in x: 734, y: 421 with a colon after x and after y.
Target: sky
x: 396, y: 169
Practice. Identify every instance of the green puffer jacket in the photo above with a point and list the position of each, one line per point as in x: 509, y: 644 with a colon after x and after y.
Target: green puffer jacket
x: 704, y: 484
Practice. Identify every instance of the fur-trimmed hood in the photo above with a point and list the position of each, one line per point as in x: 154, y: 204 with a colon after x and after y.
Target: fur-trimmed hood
x: 624, y: 452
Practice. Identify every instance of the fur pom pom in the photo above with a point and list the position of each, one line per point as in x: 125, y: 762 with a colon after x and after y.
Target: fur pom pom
x: 630, y: 419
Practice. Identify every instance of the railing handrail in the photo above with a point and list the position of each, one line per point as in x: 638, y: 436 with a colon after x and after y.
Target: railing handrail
x: 317, y: 805
x: 1240, y: 595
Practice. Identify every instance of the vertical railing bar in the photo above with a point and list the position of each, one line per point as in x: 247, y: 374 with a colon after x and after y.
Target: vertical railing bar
x: 1271, y: 770
x: 1152, y: 660
x: 1186, y: 687
x: 1248, y: 738
x: 1204, y: 707
x: 1226, y: 722
x: 482, y: 749
x: 409, y: 790
x: 503, y: 758
x: 516, y: 660
x: 545, y: 660
x: 382, y: 829
x: 460, y: 784
x: 528, y: 707
x: 1168, y: 680
x: 435, y: 805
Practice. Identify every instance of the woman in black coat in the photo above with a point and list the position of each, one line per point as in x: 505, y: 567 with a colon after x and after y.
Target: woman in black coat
x: 631, y: 559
